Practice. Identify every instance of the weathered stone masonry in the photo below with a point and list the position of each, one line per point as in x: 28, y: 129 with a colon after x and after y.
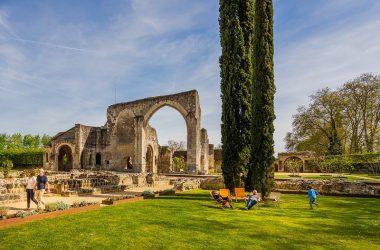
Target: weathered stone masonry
x: 127, y: 142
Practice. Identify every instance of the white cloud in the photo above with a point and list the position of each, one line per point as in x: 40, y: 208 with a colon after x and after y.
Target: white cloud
x: 323, y: 60
x: 68, y: 76
x: 61, y: 73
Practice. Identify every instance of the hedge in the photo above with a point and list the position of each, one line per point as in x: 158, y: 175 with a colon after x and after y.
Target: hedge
x: 364, y: 162
x: 23, y: 157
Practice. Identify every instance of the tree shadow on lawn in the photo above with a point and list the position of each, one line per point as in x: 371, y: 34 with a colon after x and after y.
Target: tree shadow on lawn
x: 199, y: 197
x: 18, y: 209
x: 193, y: 195
x: 217, y: 207
x: 179, y: 198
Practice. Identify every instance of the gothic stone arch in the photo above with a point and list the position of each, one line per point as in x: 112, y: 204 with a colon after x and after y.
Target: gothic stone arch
x: 56, y: 152
x: 138, y: 114
x: 304, y: 156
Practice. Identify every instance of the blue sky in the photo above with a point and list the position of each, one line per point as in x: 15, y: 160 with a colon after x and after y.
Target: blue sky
x: 61, y: 61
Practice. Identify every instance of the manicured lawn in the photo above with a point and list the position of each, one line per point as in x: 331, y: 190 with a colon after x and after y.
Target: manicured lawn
x: 347, y: 177
x: 191, y: 220
x: 373, y: 176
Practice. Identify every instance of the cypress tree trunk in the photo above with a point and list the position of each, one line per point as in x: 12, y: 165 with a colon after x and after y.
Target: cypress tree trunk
x: 236, y: 82
x: 261, y: 169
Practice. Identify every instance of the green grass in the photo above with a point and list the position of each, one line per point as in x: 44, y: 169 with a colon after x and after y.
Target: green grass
x: 348, y: 177
x: 191, y: 220
x: 373, y: 176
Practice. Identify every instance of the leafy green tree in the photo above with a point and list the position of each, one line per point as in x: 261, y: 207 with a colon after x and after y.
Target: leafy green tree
x: 344, y: 120
x: 321, y: 122
x: 361, y: 113
x: 5, y: 166
x: 261, y: 169
x: 236, y: 25
x: 178, y: 164
x: 337, y: 164
x: 45, y: 139
x: 3, y: 141
x: 15, y: 141
x: 31, y: 141
x: 294, y: 165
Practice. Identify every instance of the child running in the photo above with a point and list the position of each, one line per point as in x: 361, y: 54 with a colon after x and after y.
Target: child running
x: 312, y: 195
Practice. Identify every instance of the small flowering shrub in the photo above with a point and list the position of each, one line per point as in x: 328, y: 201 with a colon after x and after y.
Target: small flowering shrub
x: 167, y: 192
x: 24, y: 214
x: 83, y: 203
x: 62, y: 206
x: 147, y: 192
x: 50, y: 207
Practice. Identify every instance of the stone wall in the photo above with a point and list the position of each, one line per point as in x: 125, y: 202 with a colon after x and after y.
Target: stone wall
x: 83, y: 182
x: 212, y: 183
x: 204, y: 151
x: 218, y: 160
x: 183, y: 184
x: 124, y: 142
x: 165, y: 163
x: 329, y: 186
x: 211, y: 168
x: 12, y: 190
x: 333, y: 187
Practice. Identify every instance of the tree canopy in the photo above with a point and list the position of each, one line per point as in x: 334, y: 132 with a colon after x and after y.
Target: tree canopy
x: 345, y: 120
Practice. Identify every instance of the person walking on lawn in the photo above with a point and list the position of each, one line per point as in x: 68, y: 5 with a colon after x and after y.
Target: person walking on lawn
x: 30, y: 190
x: 42, y: 184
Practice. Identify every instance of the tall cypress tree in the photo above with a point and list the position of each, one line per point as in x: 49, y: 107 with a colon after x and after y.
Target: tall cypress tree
x: 261, y: 169
x: 236, y: 83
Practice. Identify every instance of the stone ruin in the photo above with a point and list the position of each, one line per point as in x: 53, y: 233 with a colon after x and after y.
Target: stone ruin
x: 127, y: 143
x: 304, y: 156
x: 87, y: 183
x: 334, y: 187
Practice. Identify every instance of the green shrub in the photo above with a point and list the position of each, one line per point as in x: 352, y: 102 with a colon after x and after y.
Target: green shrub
x: 167, y: 192
x: 84, y: 203
x: 23, y: 157
x: 178, y: 164
x: 62, y: 206
x: 294, y: 164
x: 147, y: 192
x: 90, y: 203
x: 5, y: 167
x: 50, y: 207
x: 364, y: 162
x: 3, y: 212
x: 24, y: 214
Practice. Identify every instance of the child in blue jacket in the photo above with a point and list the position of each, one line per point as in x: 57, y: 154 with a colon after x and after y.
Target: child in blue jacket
x: 312, y: 195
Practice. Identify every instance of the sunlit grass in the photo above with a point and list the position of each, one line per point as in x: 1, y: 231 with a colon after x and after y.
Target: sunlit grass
x: 191, y: 220
x: 348, y: 177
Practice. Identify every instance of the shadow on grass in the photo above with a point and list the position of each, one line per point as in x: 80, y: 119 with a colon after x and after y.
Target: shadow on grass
x: 193, y: 195
x: 17, y: 208
x: 179, y: 198
x: 218, y: 207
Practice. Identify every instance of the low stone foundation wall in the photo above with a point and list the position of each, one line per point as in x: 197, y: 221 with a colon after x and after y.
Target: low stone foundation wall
x: 85, y: 182
x: 213, y: 183
x: 334, y: 187
x: 183, y: 184
x: 12, y: 190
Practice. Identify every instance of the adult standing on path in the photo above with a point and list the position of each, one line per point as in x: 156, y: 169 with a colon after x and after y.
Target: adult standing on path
x: 30, y: 190
x: 42, y: 184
